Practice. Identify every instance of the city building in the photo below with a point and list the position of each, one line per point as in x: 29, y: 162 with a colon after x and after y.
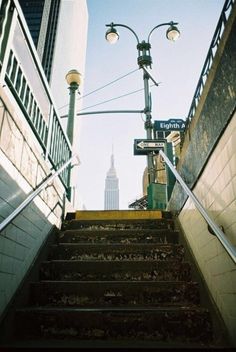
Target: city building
x: 42, y: 19
x: 111, y: 194
x: 59, y: 32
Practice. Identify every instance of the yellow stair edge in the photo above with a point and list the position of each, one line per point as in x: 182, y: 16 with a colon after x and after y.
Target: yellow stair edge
x: 118, y: 214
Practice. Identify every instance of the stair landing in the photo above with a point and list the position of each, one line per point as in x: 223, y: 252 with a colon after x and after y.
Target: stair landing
x: 118, y: 215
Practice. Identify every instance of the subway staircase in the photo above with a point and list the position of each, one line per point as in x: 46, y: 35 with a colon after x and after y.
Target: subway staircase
x: 115, y: 280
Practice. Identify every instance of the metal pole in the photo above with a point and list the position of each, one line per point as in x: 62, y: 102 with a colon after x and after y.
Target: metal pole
x: 148, y: 126
x: 106, y: 112
x: 72, y: 113
x: 144, y: 61
x: 70, y: 127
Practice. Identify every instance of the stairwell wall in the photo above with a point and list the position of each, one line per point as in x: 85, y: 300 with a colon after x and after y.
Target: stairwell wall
x: 217, y: 191
x: 22, y: 168
x: 208, y: 165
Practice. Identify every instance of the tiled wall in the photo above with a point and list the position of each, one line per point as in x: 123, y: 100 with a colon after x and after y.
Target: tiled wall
x: 22, y: 167
x: 216, y: 189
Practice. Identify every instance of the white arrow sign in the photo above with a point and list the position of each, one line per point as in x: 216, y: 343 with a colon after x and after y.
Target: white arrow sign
x: 144, y: 145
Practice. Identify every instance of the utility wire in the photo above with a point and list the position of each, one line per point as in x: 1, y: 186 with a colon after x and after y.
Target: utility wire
x: 107, y: 101
x: 121, y: 96
x: 106, y: 85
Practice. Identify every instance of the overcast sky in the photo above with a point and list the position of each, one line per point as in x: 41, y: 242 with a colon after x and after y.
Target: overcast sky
x: 177, y: 66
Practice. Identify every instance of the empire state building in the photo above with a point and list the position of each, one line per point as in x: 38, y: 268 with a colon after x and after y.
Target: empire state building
x: 111, y: 194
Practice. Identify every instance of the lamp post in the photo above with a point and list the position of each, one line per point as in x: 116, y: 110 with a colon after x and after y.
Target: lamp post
x: 73, y: 78
x: 144, y: 61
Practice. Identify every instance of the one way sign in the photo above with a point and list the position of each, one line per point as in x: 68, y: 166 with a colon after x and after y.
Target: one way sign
x: 145, y: 146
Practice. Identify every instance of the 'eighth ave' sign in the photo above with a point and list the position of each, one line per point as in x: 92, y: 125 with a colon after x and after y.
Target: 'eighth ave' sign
x: 169, y: 125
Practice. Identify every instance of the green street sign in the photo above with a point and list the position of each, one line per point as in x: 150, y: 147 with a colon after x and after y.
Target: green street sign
x: 169, y: 125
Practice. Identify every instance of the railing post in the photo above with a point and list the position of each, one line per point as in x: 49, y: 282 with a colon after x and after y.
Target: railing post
x: 49, y: 135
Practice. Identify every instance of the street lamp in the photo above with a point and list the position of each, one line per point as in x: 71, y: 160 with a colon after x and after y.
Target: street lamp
x: 145, y: 60
x: 73, y: 78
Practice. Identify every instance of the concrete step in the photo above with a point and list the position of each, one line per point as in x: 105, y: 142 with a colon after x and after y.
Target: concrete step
x: 119, y: 224
x: 134, y: 270
x: 166, y: 324
x: 117, y: 251
x: 112, y: 345
x: 125, y: 236
x: 114, y: 293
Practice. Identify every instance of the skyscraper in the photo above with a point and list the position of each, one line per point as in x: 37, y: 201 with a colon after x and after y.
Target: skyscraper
x: 42, y: 19
x: 111, y: 194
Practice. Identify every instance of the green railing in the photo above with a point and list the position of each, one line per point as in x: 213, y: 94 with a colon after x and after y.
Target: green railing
x: 23, y: 74
x: 226, y: 11
x: 18, y: 84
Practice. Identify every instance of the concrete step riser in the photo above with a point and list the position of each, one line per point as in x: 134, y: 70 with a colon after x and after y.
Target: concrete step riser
x: 115, y: 270
x: 117, y: 252
x: 110, y: 294
x: 180, y: 325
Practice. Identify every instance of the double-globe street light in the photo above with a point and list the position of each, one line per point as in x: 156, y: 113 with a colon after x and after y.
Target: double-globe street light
x: 144, y: 61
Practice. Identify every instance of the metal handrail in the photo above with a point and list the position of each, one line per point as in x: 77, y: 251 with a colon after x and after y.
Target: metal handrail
x: 231, y: 250
x: 31, y: 196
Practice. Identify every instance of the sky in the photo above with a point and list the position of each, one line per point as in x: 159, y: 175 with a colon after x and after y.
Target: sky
x: 176, y: 65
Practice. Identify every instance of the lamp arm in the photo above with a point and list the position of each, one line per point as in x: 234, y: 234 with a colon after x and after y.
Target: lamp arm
x: 149, y: 75
x: 160, y: 25
x: 123, y: 25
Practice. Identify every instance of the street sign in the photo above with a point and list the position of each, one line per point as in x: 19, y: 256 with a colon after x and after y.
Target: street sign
x: 145, y: 146
x: 170, y: 125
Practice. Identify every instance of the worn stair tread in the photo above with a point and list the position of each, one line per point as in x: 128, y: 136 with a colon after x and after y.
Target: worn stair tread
x: 115, y: 270
x: 120, y: 293
x: 151, y: 309
x: 116, y: 282
x: 120, y: 236
x: 117, y: 262
x: 149, y: 323
x: 132, y: 231
x: 115, y: 244
x: 119, y: 223
x: 112, y: 345
x: 117, y: 252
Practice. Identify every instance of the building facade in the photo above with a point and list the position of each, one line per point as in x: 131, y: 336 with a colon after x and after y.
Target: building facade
x: 111, y: 194
x: 42, y: 19
x: 59, y: 32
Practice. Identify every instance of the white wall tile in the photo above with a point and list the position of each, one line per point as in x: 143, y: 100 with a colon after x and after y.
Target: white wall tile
x: 219, y: 181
